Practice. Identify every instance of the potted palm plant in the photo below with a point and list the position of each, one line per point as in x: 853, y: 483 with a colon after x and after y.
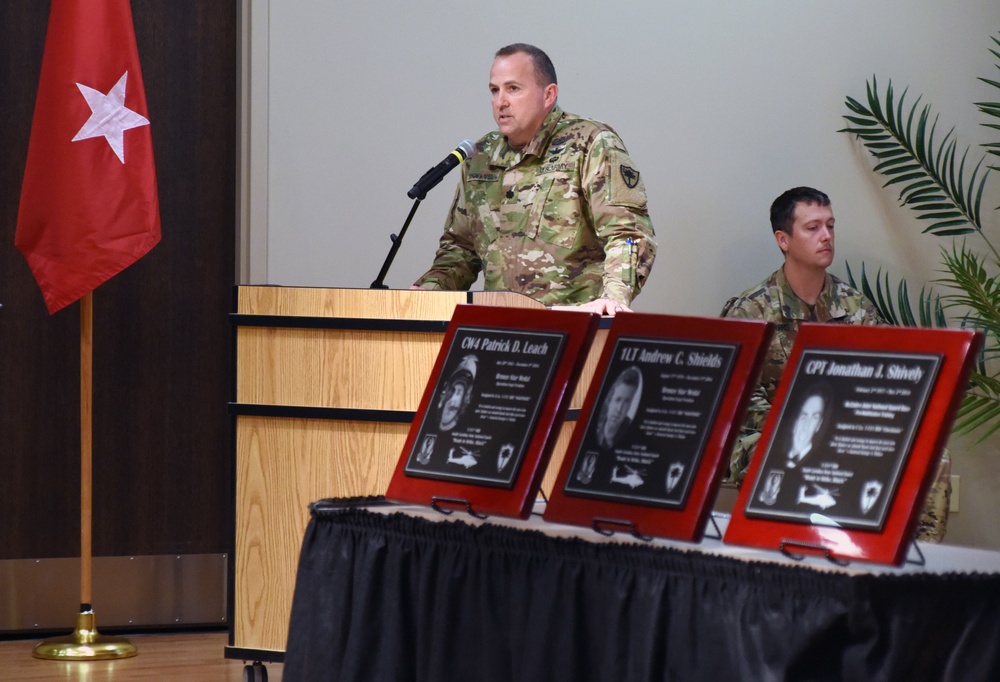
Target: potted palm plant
x: 946, y: 191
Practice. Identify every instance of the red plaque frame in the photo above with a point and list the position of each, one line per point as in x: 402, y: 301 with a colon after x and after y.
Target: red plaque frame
x: 503, y: 333
x: 887, y: 543
x: 745, y: 342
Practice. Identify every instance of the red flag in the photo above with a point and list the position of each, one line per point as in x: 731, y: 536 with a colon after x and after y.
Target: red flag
x: 89, y: 207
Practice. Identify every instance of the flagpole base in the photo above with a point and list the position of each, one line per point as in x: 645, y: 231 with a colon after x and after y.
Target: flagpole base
x: 85, y: 644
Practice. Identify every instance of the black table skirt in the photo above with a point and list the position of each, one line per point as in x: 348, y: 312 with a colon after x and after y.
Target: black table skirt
x: 392, y: 597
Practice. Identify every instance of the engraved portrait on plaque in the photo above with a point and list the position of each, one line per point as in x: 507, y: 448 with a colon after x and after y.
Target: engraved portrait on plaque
x: 842, y: 437
x: 487, y: 401
x: 647, y: 432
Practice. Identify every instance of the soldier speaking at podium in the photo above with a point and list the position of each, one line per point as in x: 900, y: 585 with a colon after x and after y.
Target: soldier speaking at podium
x: 549, y: 205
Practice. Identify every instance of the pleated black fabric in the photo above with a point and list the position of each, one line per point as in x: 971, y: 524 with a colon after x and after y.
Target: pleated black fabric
x: 392, y: 597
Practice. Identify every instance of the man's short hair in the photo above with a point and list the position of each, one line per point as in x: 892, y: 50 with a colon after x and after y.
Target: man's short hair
x: 545, y: 73
x: 822, y: 391
x: 783, y: 208
x: 631, y: 377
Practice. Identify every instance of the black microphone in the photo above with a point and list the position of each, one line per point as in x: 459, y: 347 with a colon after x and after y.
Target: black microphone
x: 432, y: 177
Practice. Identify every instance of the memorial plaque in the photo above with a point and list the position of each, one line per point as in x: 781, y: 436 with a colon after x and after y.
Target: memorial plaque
x: 656, y: 405
x: 849, y: 448
x: 843, y: 435
x: 648, y: 450
x: 489, y: 416
x: 488, y: 398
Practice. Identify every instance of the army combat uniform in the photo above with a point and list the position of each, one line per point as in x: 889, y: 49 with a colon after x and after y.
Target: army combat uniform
x: 563, y: 220
x: 774, y: 301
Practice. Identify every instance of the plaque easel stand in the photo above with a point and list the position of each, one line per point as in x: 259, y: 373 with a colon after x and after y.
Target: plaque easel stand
x: 920, y: 560
x: 599, y: 525
x: 784, y: 546
x: 436, y: 506
x: 715, y: 525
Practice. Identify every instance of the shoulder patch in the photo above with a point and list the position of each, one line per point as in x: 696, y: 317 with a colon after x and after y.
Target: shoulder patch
x: 629, y: 175
x: 625, y: 186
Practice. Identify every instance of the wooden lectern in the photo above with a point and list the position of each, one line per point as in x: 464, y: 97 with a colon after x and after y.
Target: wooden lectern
x: 326, y: 384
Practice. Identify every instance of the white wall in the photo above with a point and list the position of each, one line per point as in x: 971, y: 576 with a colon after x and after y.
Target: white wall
x: 723, y: 105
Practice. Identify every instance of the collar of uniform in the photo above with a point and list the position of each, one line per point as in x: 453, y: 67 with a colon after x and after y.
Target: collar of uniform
x: 506, y: 156
x: 827, y: 306
x: 830, y: 305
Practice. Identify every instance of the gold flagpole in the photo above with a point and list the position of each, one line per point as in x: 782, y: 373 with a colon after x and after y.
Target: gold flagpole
x: 85, y: 644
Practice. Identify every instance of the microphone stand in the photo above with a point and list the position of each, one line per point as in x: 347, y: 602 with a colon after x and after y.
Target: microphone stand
x: 427, y: 182
x: 396, y: 241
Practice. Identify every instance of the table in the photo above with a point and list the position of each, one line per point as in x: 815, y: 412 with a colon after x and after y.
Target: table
x: 393, y: 592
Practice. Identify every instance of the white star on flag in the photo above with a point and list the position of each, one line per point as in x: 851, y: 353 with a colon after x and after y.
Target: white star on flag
x: 109, y: 117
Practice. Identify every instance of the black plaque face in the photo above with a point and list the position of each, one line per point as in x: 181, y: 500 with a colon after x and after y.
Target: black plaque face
x: 486, y: 404
x: 646, y: 434
x: 842, y: 438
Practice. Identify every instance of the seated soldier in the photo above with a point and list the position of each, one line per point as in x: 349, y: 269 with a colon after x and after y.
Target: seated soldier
x: 803, y: 291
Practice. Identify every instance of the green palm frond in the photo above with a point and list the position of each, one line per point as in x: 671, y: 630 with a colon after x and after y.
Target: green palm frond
x: 933, y: 178
x: 978, y: 294
x: 945, y: 189
x: 974, y: 289
x: 980, y: 408
x: 992, y: 108
x: 929, y: 309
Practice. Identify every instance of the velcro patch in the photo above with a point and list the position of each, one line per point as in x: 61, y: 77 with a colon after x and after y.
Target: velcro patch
x: 484, y: 177
x: 625, y: 185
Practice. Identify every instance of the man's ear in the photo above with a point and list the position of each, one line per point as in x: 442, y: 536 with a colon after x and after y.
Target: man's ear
x: 551, y: 93
x: 781, y: 237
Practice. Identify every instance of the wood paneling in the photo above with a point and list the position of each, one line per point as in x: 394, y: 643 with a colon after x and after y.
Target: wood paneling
x: 39, y: 355
x: 162, y: 481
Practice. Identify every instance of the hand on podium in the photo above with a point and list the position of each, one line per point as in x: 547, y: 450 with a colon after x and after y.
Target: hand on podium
x: 601, y: 306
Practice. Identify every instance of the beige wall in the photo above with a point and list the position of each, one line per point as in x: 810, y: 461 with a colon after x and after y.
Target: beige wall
x: 722, y: 104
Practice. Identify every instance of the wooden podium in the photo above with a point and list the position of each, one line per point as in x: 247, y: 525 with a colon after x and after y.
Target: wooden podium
x: 326, y: 383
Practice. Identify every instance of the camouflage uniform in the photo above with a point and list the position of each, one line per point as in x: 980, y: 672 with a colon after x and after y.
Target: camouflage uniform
x: 774, y: 301
x: 563, y: 220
